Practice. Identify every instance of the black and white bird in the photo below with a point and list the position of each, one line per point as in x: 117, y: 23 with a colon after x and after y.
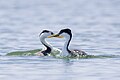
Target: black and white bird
x: 48, y: 47
x: 68, y: 36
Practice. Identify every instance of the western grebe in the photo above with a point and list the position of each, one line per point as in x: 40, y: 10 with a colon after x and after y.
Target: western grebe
x: 68, y: 36
x: 48, y: 47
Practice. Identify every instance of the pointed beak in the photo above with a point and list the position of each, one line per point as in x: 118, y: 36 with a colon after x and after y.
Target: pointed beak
x: 55, y: 35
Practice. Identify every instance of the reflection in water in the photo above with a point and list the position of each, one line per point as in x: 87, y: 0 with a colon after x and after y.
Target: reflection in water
x: 67, y: 72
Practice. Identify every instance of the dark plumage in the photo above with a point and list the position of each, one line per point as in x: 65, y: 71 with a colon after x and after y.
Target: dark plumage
x: 77, y: 52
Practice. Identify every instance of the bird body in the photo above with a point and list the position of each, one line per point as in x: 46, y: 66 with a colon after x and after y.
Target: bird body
x: 68, y: 36
x: 49, y: 49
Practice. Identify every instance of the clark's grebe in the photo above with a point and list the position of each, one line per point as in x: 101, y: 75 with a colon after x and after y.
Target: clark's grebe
x: 68, y: 36
x: 48, y: 47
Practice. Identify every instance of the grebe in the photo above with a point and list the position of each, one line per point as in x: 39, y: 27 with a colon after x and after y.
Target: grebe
x: 68, y: 36
x: 49, y: 48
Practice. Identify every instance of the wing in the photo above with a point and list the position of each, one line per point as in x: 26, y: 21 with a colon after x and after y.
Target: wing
x: 77, y: 52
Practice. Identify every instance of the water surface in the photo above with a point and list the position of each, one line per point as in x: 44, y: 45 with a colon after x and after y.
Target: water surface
x: 96, y: 30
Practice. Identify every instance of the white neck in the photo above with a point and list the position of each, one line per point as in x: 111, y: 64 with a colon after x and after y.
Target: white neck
x: 44, y: 42
x: 64, y: 50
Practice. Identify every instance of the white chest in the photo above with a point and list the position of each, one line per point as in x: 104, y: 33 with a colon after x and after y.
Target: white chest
x: 65, y: 52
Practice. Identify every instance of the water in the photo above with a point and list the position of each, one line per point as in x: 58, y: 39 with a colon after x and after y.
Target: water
x: 96, y: 30
x: 37, y: 68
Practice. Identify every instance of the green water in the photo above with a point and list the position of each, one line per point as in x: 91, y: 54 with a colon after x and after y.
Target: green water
x: 23, y: 53
x: 55, y: 55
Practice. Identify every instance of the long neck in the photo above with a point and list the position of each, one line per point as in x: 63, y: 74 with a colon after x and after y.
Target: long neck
x: 46, y: 44
x: 65, y: 50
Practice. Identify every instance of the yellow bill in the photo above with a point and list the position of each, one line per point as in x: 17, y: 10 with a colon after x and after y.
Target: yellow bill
x: 55, y: 35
